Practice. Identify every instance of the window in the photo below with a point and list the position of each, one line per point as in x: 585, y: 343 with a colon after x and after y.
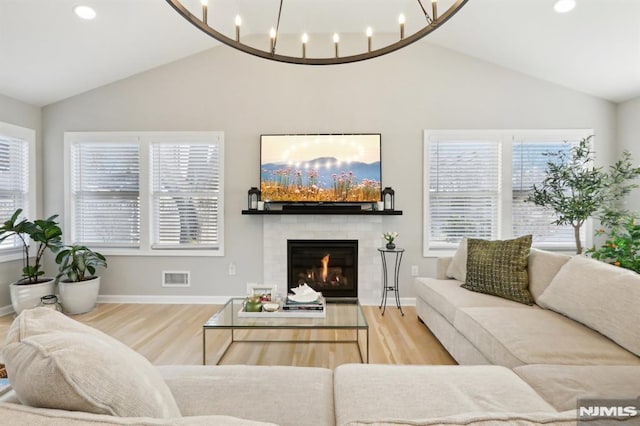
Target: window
x: 146, y: 193
x: 17, y: 180
x: 186, y: 195
x: 476, y: 183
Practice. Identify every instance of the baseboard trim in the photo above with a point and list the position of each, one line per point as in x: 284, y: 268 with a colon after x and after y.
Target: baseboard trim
x: 6, y: 310
x: 391, y: 301
x: 199, y: 300
x: 164, y: 300
x: 216, y: 300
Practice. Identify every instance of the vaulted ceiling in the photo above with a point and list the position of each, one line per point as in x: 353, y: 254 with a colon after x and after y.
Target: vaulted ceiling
x: 48, y: 54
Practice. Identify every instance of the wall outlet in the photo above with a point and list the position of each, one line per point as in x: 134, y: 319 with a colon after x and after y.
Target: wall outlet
x: 414, y: 270
x: 232, y: 268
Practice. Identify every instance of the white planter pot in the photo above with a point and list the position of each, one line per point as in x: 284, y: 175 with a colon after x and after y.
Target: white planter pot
x: 27, y: 296
x: 80, y: 297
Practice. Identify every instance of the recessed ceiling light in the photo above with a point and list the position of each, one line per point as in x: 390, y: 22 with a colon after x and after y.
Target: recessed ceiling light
x: 84, y: 12
x: 563, y: 6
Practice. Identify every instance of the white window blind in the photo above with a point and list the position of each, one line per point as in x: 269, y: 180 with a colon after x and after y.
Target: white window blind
x: 14, y: 183
x: 185, y: 190
x: 477, y: 181
x: 105, y: 194
x: 463, y: 200
x: 146, y: 193
x: 529, y: 165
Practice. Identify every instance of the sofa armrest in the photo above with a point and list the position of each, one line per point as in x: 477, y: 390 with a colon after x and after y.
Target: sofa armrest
x: 442, y: 265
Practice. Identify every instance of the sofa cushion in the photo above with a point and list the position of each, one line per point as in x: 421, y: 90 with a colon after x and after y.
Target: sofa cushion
x: 514, y: 337
x: 543, y: 266
x: 446, y: 297
x: 278, y: 394
x: 499, y: 268
x: 415, y: 394
x: 56, y: 362
x: 457, y: 269
x: 602, y: 296
x: 20, y: 415
x: 562, y: 385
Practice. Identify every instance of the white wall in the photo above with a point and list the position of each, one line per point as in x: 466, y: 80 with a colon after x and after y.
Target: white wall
x: 25, y: 115
x: 629, y: 139
x: 398, y: 95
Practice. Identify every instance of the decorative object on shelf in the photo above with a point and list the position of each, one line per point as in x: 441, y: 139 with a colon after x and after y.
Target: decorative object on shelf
x: 50, y: 301
x: 428, y: 21
x: 266, y: 293
x: 79, y: 290
x: 254, y: 197
x: 253, y: 303
x: 390, y: 237
x: 270, y: 307
x: 388, y: 198
x: 43, y: 234
x: 304, y: 294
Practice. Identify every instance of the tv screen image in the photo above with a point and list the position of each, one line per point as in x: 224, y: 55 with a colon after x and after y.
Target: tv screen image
x: 320, y: 168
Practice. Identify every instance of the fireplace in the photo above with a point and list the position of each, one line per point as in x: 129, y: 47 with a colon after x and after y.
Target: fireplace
x: 328, y: 266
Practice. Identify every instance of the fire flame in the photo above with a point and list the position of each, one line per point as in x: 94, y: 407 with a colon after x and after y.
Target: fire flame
x: 325, y: 267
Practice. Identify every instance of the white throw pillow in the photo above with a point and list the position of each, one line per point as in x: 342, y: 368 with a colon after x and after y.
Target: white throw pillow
x: 601, y: 296
x: 56, y: 362
x: 458, y: 267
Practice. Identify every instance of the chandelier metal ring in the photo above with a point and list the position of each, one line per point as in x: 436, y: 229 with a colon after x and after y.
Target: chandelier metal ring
x: 432, y: 22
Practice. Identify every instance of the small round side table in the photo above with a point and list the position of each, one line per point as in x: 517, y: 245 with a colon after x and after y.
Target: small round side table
x: 386, y: 287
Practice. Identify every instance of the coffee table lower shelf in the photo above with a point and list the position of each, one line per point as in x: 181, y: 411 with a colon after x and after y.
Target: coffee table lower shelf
x: 343, y: 316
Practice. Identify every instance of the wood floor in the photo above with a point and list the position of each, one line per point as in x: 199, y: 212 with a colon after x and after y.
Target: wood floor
x: 172, y: 334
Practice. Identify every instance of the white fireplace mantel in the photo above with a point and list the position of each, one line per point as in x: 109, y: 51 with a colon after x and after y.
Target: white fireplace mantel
x: 277, y: 229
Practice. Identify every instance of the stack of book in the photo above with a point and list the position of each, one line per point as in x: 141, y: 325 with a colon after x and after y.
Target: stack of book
x: 292, y: 305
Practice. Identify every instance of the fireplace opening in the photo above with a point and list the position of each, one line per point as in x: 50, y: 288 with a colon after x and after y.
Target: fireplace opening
x: 327, y: 266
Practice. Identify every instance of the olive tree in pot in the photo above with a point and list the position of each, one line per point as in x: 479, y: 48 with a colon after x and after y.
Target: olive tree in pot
x: 79, y: 290
x: 45, y: 234
x: 576, y: 190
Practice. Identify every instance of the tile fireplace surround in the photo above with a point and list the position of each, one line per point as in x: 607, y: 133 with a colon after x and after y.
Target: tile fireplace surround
x: 367, y: 230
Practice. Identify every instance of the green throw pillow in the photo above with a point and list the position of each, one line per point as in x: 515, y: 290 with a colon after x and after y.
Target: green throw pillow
x: 499, y: 268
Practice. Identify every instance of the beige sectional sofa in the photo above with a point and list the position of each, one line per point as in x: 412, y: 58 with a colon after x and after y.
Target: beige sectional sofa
x: 66, y: 373
x: 580, y: 339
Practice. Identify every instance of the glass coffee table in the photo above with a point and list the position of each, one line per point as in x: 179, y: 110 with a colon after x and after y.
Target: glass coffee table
x: 344, y: 322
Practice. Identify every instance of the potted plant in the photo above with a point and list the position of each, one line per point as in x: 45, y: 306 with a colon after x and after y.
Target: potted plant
x: 46, y: 235
x: 576, y: 190
x: 390, y: 237
x: 79, y: 290
x: 622, y: 245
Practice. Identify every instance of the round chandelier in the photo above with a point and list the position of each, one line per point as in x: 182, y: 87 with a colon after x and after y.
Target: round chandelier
x: 272, y: 26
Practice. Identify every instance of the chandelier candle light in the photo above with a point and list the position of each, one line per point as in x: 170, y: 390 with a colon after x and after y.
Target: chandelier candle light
x: 430, y: 23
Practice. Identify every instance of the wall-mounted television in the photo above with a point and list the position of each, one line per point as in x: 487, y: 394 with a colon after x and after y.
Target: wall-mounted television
x: 320, y: 168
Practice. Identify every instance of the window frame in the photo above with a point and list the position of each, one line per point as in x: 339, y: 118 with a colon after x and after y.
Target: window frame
x: 145, y: 140
x: 505, y: 138
x: 28, y: 136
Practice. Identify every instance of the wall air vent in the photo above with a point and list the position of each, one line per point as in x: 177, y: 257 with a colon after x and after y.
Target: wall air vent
x: 176, y: 279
